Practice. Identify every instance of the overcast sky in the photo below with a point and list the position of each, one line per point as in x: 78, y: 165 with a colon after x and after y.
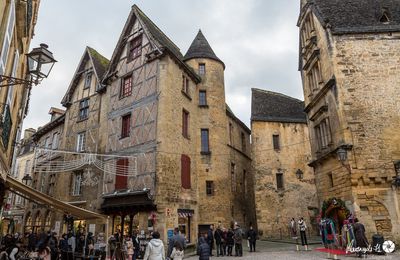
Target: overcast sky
x: 256, y: 39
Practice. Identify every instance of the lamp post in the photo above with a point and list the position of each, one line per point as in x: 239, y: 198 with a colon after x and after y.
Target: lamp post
x: 40, y: 62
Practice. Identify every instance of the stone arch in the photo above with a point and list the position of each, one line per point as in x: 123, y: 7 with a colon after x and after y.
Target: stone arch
x: 47, y: 220
x: 28, y: 224
x: 379, y: 213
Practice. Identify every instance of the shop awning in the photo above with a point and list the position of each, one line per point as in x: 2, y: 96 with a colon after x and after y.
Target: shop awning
x: 51, y: 202
x: 184, y: 213
x: 128, y: 201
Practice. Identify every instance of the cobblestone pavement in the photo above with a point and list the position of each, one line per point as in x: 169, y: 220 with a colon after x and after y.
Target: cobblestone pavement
x: 282, y: 251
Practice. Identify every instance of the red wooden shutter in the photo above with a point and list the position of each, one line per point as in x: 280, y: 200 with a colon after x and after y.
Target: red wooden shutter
x: 185, y: 171
x: 121, y: 179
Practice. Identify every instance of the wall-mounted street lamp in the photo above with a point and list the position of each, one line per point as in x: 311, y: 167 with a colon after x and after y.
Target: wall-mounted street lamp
x: 341, y: 153
x: 27, y: 180
x: 40, y: 62
x: 396, y: 179
x: 299, y: 174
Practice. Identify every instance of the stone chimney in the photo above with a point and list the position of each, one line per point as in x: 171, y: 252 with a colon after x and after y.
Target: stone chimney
x: 28, y: 133
x: 55, y: 113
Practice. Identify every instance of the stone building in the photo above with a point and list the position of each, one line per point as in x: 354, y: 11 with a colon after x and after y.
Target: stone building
x: 17, y: 22
x: 284, y: 183
x: 85, y: 132
x: 23, y: 167
x: 168, y: 116
x: 47, y: 138
x: 349, y: 54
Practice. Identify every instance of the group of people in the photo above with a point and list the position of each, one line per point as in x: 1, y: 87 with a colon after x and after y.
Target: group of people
x: 47, y: 245
x: 301, y: 227
x: 127, y: 247
x: 225, y: 240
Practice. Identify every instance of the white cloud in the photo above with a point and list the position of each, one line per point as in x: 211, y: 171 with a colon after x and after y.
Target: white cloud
x: 256, y: 39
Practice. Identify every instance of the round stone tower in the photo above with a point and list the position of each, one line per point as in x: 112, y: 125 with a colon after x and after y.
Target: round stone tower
x: 214, y: 164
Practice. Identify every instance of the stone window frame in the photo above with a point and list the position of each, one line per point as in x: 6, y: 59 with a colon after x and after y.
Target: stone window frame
x: 186, y: 172
x: 202, y: 68
x: 185, y: 123
x: 186, y: 86
x: 81, y: 141
x: 331, y: 180
x: 243, y: 141
x: 233, y: 177
x: 307, y: 29
x: 323, y: 134
x: 203, y: 98
x: 314, y: 76
x: 76, y: 183
x: 210, y: 189
x: 205, y: 141
x: 276, y: 142
x: 280, y: 183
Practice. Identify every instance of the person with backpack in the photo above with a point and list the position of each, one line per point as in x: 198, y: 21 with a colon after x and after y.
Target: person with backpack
x: 203, y: 249
x: 230, y: 241
x: 218, y: 236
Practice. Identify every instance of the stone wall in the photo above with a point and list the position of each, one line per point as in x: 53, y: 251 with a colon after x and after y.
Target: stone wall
x: 275, y: 206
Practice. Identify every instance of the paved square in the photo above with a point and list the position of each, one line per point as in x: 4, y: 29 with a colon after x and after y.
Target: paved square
x: 282, y: 251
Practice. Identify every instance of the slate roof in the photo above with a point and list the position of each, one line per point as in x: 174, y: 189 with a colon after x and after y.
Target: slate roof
x: 200, y: 48
x: 155, y: 35
x: 100, y: 65
x: 100, y: 62
x: 275, y: 107
x: 357, y: 16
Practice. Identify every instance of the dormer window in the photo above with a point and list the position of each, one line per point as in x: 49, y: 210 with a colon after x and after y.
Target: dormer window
x: 88, y: 79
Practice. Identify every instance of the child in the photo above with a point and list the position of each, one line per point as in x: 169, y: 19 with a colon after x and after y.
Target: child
x: 177, y: 252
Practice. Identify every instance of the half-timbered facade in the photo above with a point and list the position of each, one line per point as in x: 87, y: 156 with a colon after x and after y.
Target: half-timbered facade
x: 168, y: 116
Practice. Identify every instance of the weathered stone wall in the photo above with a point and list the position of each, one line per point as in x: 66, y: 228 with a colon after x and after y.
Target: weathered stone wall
x: 362, y: 108
x: 298, y: 198
x: 366, y: 69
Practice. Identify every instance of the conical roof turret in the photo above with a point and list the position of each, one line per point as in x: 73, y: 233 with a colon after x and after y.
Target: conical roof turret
x: 200, y: 48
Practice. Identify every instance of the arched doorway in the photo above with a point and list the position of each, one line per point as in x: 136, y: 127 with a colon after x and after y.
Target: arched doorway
x: 28, y: 223
x: 37, y: 226
x: 47, y: 223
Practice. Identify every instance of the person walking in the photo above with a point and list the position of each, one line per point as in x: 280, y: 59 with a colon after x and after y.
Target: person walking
x: 64, y: 247
x: 203, y: 249
x: 136, y: 245
x: 238, y: 237
x: 230, y: 241
x: 53, y: 245
x: 176, y: 238
x: 252, y: 237
x: 224, y: 240
x: 303, y: 227
x: 218, y: 236
x: 112, y: 243
x: 210, y: 238
x: 155, y: 248
x: 359, y: 233
x: 177, y: 252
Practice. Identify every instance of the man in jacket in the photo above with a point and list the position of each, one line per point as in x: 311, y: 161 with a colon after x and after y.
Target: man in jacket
x: 218, y: 235
x: 176, y: 238
x: 210, y: 238
x: 252, y: 237
x: 238, y: 240
x: 203, y: 249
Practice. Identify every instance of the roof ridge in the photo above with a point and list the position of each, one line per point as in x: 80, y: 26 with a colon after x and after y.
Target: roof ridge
x: 137, y: 9
x: 276, y: 94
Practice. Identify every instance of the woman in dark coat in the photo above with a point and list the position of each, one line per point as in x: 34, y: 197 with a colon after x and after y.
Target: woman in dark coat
x: 203, y: 249
x: 230, y: 241
x: 359, y: 233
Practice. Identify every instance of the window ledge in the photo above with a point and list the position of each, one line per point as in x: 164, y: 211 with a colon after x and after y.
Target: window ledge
x: 203, y: 106
x: 186, y: 95
x: 186, y: 137
x: 206, y: 153
x: 123, y: 137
